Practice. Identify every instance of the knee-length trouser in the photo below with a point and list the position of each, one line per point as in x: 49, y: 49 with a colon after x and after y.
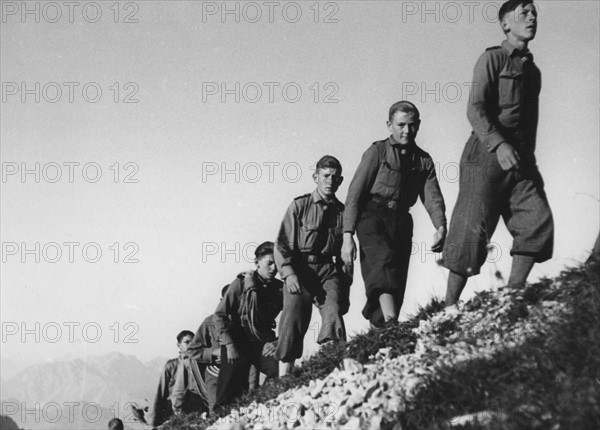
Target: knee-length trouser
x: 269, y: 366
x: 324, y: 285
x: 488, y: 193
x: 385, y: 238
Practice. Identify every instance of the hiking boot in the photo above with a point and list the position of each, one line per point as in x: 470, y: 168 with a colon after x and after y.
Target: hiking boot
x: 452, y: 310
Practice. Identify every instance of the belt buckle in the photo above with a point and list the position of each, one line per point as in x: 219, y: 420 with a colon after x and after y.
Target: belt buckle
x: 392, y: 204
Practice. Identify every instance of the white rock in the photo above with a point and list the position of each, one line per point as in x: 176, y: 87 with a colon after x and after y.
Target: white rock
x: 352, y: 366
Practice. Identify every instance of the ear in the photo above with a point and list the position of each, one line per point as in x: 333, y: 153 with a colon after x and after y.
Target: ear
x: 505, y: 25
x: 315, y: 176
x: 340, y: 180
x: 389, y: 125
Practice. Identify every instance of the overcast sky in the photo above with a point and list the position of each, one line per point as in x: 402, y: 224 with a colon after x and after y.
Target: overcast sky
x: 161, y: 148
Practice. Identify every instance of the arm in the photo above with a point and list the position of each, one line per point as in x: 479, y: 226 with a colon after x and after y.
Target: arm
x: 202, y: 347
x: 286, y: 252
x: 226, y: 318
x: 160, y: 407
x: 359, y: 188
x: 482, y: 100
x: 433, y: 200
x: 178, y: 393
x: 358, y: 192
x: 483, y: 96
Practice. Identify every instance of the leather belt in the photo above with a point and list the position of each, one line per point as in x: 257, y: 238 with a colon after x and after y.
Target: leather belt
x: 388, y: 203
x: 317, y: 259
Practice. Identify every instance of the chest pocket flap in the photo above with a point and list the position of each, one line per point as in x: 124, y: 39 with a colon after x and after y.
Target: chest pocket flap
x: 510, y: 85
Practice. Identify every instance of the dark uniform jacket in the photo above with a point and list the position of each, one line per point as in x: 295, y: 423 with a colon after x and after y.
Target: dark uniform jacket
x: 205, y: 341
x: 248, y: 310
x: 504, y: 100
x: 383, y: 172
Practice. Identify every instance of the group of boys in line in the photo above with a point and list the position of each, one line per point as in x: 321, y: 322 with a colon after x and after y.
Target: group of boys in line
x: 315, y: 249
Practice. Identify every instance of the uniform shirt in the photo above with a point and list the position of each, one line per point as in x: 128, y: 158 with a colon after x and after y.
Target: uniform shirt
x: 205, y: 341
x: 384, y: 172
x: 229, y: 313
x: 310, y: 226
x: 504, y: 101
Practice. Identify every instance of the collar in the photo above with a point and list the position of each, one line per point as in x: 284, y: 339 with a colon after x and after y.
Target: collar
x: 317, y: 198
x: 514, y: 51
x: 258, y: 280
x: 410, y: 149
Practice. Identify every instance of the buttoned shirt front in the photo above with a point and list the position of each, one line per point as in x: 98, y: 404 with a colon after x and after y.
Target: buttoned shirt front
x: 384, y: 172
x: 311, y: 226
x: 504, y: 101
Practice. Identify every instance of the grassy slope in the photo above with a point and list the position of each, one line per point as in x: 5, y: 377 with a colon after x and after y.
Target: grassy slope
x: 551, y: 380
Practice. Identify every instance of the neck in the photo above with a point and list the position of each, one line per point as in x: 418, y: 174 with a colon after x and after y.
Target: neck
x: 520, y: 44
x: 261, y: 279
x: 402, y: 145
x: 328, y: 199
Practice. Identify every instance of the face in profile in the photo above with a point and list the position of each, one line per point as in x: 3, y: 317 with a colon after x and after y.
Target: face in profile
x: 266, y: 268
x: 328, y: 181
x: 521, y: 23
x: 404, y: 127
x: 185, y: 343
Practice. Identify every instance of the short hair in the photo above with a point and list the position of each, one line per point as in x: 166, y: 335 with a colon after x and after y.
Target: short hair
x: 403, y: 106
x: 510, y: 6
x: 115, y: 424
x: 265, y: 248
x: 224, y: 290
x: 183, y: 334
x: 329, y: 162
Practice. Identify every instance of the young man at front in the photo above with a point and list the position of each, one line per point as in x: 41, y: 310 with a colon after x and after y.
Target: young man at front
x: 499, y: 175
x: 308, y: 257
x: 392, y: 174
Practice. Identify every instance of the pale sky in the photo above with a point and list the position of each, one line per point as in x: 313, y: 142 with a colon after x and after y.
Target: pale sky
x: 303, y: 89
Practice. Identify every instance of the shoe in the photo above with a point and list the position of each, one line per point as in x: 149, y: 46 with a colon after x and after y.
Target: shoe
x: 452, y: 310
x: 288, y: 368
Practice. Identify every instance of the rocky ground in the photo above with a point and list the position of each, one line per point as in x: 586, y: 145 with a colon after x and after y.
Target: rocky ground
x: 502, y: 360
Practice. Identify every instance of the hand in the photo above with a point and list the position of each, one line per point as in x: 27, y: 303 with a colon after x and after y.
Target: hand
x: 269, y: 349
x: 507, y: 156
x: 349, y: 251
x: 292, y: 284
x: 232, y: 353
x: 216, y: 355
x: 438, y: 239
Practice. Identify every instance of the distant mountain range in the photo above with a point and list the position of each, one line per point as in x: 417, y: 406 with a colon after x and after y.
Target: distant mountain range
x: 79, y: 394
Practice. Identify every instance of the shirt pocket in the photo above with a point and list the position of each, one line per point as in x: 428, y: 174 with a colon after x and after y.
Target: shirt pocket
x: 388, y: 179
x: 509, y: 88
x: 307, y: 236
